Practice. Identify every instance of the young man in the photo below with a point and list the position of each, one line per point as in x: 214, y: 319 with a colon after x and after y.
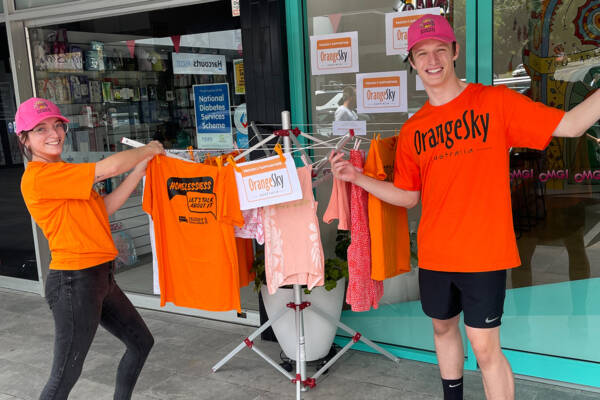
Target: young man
x: 453, y: 155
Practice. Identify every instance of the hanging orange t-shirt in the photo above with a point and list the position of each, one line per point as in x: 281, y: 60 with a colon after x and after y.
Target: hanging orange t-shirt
x: 61, y: 199
x: 388, y: 224
x: 457, y: 155
x: 194, y: 207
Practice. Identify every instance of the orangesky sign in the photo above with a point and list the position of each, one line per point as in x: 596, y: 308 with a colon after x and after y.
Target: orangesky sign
x: 334, y: 54
x: 381, y: 92
x: 267, y: 181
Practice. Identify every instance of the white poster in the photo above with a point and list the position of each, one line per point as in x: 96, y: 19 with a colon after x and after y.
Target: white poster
x: 381, y: 92
x: 334, y: 54
x: 341, y: 128
x: 267, y: 181
x: 199, y: 64
x: 396, y: 29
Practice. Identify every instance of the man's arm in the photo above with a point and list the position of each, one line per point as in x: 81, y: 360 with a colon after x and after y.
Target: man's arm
x: 386, y: 191
x: 579, y: 119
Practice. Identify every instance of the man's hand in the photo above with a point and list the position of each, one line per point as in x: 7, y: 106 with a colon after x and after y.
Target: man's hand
x: 154, y: 148
x: 342, y: 169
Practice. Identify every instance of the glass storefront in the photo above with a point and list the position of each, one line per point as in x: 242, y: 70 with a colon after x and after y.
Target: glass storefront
x: 550, y: 52
x: 133, y: 76
x: 17, y: 250
x: 399, y: 319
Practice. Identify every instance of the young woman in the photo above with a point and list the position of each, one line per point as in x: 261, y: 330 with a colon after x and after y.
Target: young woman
x: 80, y: 288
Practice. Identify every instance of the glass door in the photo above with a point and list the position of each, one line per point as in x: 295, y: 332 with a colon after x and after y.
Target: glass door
x: 17, y: 249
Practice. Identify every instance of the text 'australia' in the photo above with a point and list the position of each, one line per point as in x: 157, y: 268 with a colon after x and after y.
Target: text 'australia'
x: 470, y: 127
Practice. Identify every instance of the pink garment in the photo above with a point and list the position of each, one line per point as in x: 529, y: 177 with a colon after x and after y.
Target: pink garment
x: 293, y: 250
x: 363, y: 292
x: 253, y: 226
x: 339, y: 205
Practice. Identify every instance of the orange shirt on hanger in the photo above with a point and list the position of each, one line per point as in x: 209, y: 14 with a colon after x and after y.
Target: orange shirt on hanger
x: 388, y: 224
x: 194, y: 207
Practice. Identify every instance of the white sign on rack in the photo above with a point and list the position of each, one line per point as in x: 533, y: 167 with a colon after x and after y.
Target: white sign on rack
x: 381, y: 92
x: 396, y: 28
x: 334, y: 54
x: 199, y: 64
x: 267, y: 181
x: 341, y: 128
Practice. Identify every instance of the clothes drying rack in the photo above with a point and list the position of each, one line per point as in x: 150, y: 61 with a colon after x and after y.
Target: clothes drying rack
x: 301, y: 380
x: 299, y: 306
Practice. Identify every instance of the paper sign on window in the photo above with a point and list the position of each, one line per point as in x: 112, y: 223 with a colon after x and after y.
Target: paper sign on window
x: 381, y: 92
x: 396, y: 29
x: 267, y: 181
x: 334, y: 54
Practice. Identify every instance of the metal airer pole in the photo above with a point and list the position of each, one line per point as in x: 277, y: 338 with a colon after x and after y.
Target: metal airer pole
x: 298, y: 307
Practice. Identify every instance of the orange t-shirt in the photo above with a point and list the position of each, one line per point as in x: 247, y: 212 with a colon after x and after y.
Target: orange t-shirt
x: 457, y: 155
x: 194, y: 207
x: 61, y: 199
x: 388, y: 224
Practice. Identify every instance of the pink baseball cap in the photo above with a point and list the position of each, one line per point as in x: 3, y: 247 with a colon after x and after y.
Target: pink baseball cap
x: 33, y: 111
x: 430, y: 26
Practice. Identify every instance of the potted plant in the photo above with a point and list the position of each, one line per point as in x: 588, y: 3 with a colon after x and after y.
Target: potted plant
x: 329, y: 298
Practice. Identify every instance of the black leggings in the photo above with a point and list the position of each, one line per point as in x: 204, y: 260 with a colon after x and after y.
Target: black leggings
x: 80, y: 300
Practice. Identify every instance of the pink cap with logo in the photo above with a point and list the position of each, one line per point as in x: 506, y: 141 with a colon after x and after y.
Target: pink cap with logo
x: 430, y: 27
x: 33, y: 111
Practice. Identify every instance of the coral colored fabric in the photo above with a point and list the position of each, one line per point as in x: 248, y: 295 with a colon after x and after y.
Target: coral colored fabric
x: 293, y: 250
x: 194, y: 207
x: 388, y: 224
x: 339, y: 205
x: 363, y: 292
x: 457, y: 155
x: 61, y: 199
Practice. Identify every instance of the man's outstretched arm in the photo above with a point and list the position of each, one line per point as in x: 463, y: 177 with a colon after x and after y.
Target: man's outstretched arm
x: 386, y: 191
x: 580, y: 118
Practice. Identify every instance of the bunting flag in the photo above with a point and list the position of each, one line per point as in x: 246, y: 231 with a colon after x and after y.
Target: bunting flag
x: 335, y: 21
x: 131, y: 47
x: 176, y: 40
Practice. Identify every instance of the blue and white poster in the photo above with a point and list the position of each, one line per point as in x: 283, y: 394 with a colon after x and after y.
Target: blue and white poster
x: 240, y: 119
x: 213, y: 119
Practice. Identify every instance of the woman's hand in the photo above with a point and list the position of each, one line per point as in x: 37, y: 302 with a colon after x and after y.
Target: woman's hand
x: 154, y: 148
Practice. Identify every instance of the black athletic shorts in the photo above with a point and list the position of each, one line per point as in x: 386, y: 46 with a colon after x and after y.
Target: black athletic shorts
x: 479, y: 295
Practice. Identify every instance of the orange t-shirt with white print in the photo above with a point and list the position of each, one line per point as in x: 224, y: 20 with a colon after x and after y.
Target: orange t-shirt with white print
x: 457, y: 155
x: 61, y: 199
x: 388, y: 224
x: 194, y: 207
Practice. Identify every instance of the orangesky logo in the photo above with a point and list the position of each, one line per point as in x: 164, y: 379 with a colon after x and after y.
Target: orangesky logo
x: 383, y: 91
x: 334, y: 53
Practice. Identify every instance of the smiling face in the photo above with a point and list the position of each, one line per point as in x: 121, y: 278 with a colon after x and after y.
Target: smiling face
x: 46, y: 140
x: 434, y: 61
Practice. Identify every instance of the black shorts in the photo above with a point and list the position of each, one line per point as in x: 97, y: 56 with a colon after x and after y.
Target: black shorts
x: 480, y: 295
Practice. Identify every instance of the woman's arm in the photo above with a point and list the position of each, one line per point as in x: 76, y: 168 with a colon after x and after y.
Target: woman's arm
x: 123, y: 161
x: 115, y: 199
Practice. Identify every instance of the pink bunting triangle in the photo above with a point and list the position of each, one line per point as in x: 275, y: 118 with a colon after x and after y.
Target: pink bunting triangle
x: 335, y: 21
x: 131, y: 47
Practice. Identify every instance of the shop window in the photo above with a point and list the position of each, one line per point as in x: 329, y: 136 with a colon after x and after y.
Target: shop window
x: 25, y: 4
x: 112, y: 83
x: 549, y: 51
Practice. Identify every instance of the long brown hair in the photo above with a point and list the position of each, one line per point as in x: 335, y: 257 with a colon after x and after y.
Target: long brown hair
x: 25, y: 151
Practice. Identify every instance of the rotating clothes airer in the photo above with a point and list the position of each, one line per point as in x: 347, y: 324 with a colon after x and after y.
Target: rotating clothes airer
x: 301, y: 381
